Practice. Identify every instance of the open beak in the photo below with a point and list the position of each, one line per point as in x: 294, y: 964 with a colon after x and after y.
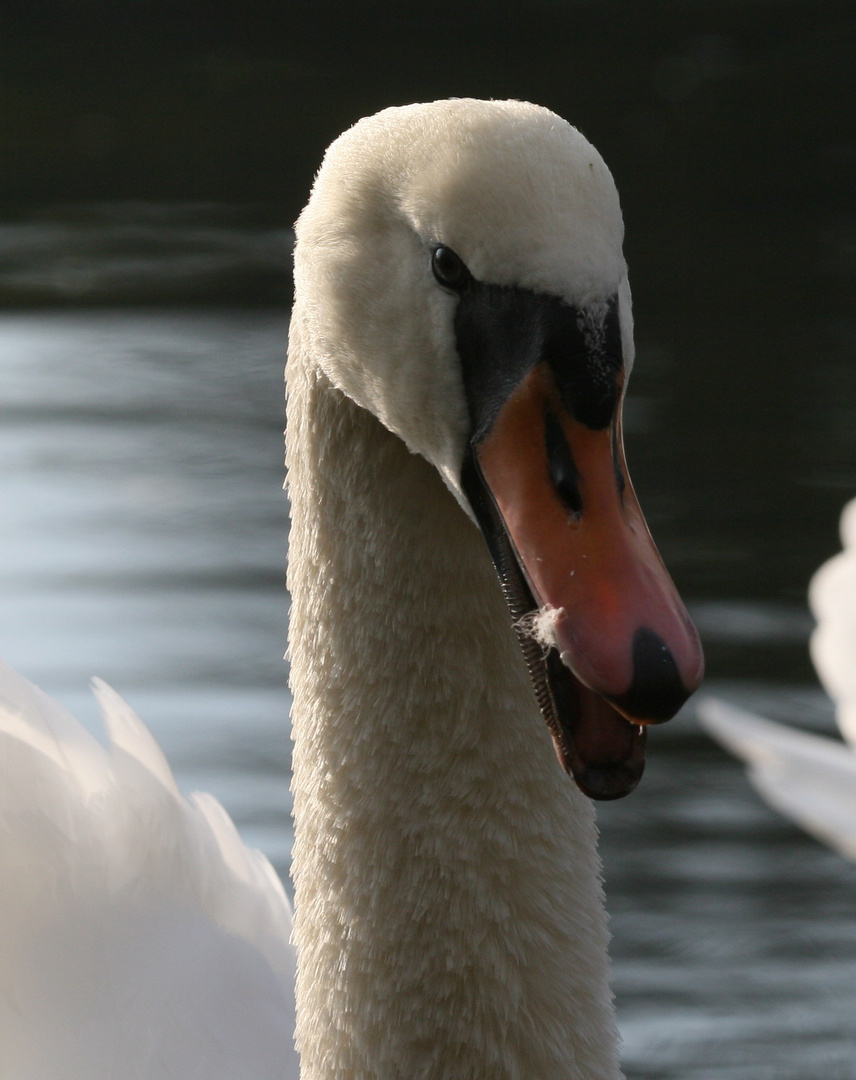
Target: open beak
x: 608, y: 642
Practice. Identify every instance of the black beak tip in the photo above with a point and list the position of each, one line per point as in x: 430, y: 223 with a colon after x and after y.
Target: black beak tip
x: 657, y: 690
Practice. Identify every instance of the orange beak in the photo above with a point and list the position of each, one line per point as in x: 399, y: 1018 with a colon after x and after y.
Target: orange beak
x: 587, y: 555
x: 621, y: 651
x: 607, y: 641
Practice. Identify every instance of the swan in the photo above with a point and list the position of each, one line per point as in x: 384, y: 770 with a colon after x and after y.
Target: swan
x: 808, y: 778
x: 466, y: 553
x: 458, y: 352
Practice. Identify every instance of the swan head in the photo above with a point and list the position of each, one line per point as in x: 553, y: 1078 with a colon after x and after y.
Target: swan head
x: 460, y: 273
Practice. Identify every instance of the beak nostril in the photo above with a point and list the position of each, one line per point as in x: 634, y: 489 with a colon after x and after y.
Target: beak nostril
x: 620, y: 482
x: 563, y: 470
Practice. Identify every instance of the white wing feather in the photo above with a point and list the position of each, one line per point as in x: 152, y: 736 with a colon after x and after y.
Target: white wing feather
x: 139, y: 938
x: 832, y: 596
x: 809, y: 778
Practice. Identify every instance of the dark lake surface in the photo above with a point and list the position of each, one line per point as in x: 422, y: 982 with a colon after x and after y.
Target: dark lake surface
x: 142, y: 338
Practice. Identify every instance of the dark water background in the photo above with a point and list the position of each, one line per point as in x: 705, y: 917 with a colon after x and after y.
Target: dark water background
x: 152, y: 158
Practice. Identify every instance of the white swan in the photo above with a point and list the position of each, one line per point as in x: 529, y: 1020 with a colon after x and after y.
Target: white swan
x: 459, y: 347
x: 810, y: 779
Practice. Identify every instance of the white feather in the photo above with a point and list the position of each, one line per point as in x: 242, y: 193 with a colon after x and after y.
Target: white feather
x: 139, y: 938
x: 808, y: 778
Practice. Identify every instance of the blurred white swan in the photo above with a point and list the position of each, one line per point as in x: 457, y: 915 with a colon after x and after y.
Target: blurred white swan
x: 459, y: 347
x: 809, y: 778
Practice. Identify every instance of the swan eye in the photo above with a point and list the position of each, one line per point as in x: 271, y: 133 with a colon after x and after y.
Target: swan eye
x: 449, y: 268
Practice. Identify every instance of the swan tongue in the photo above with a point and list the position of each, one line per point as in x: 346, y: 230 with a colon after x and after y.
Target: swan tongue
x: 594, y: 742
x: 603, y: 751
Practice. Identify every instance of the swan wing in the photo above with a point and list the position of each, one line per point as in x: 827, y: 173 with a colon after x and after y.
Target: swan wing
x: 139, y: 937
x: 808, y: 778
x: 832, y: 596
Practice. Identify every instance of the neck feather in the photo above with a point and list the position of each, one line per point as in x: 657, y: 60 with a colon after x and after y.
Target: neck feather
x: 449, y: 916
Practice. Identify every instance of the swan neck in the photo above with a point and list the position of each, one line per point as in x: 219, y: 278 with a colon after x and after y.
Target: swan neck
x: 449, y: 914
